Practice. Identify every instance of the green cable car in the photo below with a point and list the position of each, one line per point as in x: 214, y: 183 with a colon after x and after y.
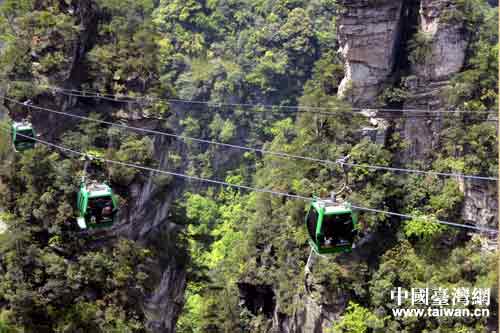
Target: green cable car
x: 97, y: 206
x: 21, y: 134
x: 331, y: 226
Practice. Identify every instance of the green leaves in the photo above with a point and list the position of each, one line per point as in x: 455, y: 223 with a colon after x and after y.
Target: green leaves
x: 38, y: 40
x: 125, y: 56
x: 297, y: 33
x: 476, y: 84
x: 223, y: 130
x: 405, y: 266
x: 118, y: 7
x: 358, y: 319
x: 423, y: 226
x: 132, y: 150
x: 268, y: 70
x: 53, y: 280
x: 268, y: 52
x: 216, y: 242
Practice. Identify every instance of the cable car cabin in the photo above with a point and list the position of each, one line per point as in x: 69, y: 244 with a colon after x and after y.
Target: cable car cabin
x: 97, y: 206
x: 21, y: 134
x: 331, y: 226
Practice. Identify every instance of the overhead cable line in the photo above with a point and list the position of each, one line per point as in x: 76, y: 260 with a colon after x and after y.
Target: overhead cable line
x: 121, y: 98
x: 333, y: 113
x: 258, y: 150
x: 145, y: 98
x: 248, y: 188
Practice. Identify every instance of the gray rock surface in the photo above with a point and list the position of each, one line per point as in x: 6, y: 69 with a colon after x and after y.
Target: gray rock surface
x: 448, y: 42
x: 368, y: 35
x: 316, y: 313
x: 148, y: 221
x: 422, y: 133
x: 480, y: 204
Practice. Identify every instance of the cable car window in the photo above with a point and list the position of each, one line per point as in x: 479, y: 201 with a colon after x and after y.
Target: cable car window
x: 337, y: 229
x: 23, y: 137
x: 312, y: 220
x: 100, y: 207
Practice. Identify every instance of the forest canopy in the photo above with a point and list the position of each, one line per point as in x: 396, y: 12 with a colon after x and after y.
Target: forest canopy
x: 234, y: 260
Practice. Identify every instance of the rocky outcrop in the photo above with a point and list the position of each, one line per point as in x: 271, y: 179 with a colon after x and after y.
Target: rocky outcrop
x: 421, y: 130
x: 87, y: 20
x: 165, y: 304
x: 149, y: 221
x: 257, y: 298
x: 369, y: 36
x: 3, y: 110
x: 377, y: 131
x: 443, y: 38
x: 447, y: 44
x: 313, y: 316
x: 480, y: 204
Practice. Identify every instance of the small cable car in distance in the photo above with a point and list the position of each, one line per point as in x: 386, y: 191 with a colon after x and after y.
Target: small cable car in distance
x: 97, y: 206
x: 21, y: 134
x: 331, y: 226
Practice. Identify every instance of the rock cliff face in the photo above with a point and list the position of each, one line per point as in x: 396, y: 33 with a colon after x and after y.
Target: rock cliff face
x: 369, y: 32
x: 149, y: 222
x: 445, y: 45
x: 447, y: 41
x: 447, y: 53
x: 372, y: 33
x: 422, y: 133
x: 369, y: 36
x: 481, y: 204
x: 314, y: 316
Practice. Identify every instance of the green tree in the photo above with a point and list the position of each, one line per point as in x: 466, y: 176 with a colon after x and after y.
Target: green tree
x: 358, y: 320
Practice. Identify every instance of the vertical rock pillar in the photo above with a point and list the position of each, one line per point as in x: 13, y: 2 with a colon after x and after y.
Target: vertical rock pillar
x: 369, y: 35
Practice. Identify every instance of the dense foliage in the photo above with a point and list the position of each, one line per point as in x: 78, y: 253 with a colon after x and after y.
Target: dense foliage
x: 282, y: 52
x: 53, y: 279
